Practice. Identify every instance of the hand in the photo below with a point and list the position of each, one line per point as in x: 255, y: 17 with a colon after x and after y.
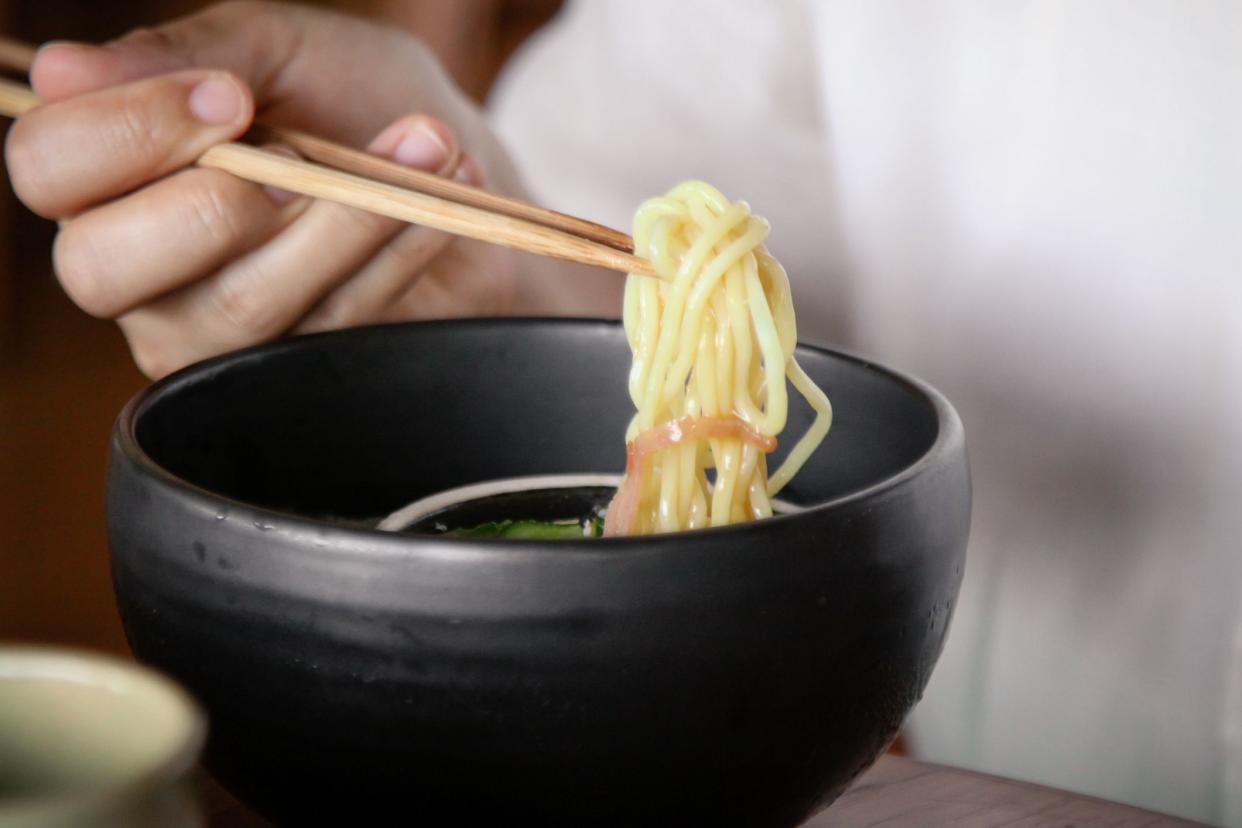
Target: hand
x: 193, y: 262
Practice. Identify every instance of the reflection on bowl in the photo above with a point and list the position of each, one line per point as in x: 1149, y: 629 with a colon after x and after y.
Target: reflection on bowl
x: 741, y: 675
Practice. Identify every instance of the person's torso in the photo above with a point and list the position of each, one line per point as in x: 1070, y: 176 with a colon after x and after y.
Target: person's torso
x: 1038, y: 208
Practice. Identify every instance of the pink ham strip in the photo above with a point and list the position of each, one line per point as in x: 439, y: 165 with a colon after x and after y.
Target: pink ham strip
x: 624, y: 507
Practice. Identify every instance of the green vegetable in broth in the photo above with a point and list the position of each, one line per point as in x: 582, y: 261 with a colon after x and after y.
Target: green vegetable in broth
x: 593, y: 527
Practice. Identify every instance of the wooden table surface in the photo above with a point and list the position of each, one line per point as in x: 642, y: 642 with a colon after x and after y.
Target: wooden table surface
x: 894, y: 793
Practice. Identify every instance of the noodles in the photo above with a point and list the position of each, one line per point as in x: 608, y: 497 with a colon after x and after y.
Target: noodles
x: 713, y: 344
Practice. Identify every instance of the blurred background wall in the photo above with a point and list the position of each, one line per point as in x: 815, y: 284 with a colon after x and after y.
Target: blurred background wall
x: 64, y: 376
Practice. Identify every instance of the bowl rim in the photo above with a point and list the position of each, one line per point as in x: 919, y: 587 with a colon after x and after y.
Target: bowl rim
x: 949, y: 437
x: 112, y: 674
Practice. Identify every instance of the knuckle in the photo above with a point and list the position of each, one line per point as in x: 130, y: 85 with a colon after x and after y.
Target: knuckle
x: 415, y: 248
x: 247, y: 311
x: 30, y: 171
x: 363, y: 222
x: 249, y: 13
x: 135, y: 132
x: 211, y: 206
x: 159, y: 39
x: 333, y: 313
x: 152, y: 358
x: 78, y: 267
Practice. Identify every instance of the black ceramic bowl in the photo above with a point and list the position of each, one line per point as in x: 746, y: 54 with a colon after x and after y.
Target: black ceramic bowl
x: 731, y: 676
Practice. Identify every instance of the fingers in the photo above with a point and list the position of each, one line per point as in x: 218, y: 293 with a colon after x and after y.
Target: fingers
x: 67, y: 156
x: 421, y: 142
x: 267, y: 291
x: 308, y: 68
x: 65, y: 69
x: 258, y: 297
x: 374, y: 289
x: 421, y: 274
x: 130, y: 251
x: 253, y: 41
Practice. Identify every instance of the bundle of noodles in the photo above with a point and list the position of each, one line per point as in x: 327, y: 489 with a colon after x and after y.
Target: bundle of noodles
x: 713, y: 342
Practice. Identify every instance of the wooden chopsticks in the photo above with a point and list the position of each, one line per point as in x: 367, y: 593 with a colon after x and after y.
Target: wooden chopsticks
x: 358, y: 179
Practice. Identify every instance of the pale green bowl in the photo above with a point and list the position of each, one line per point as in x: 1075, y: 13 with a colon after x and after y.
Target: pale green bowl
x: 88, y: 740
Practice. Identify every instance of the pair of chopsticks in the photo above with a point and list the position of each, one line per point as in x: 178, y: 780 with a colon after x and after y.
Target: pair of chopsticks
x: 358, y: 179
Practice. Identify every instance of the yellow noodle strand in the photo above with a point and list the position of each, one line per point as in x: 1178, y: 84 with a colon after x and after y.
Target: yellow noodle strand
x: 714, y: 337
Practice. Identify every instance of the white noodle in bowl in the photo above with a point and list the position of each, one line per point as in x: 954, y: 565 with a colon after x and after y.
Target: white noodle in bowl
x: 411, y: 513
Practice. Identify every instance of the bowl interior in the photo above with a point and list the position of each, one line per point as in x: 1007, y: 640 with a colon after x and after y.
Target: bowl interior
x: 352, y: 425
x: 77, y: 723
x: 734, y: 676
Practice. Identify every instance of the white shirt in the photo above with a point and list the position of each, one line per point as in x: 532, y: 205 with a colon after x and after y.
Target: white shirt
x: 1037, y: 207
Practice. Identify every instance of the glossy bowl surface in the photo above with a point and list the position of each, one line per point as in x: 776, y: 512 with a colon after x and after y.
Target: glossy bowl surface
x: 735, y: 676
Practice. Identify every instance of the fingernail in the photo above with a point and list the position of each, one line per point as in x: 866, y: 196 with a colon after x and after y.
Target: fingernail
x: 421, y: 147
x: 216, y: 101
x: 281, y: 197
x: 276, y: 194
x: 469, y: 171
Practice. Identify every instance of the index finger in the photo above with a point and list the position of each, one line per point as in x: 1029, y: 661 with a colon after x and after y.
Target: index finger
x: 252, y: 40
x: 67, y: 156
